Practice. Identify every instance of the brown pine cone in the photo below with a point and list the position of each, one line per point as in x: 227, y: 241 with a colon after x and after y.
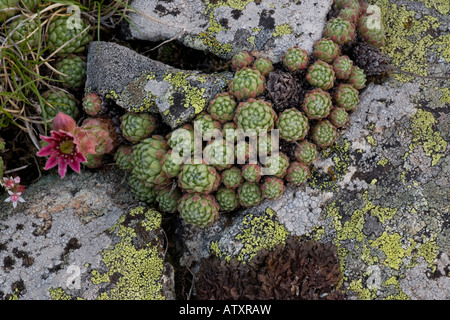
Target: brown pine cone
x: 370, y: 59
x: 283, y: 89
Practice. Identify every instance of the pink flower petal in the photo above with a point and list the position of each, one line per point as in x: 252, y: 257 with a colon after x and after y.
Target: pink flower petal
x: 52, y: 161
x: 62, y: 167
x: 47, y: 139
x: 46, y: 151
x: 75, y: 165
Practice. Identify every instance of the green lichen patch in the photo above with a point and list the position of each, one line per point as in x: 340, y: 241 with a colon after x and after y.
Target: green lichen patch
x: 424, y: 134
x: 133, y: 267
x: 135, y: 262
x: 374, y: 252
x: 257, y: 232
x: 340, y: 154
x: 409, y: 41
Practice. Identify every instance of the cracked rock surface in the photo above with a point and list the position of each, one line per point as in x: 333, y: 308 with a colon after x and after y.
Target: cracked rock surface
x: 227, y: 27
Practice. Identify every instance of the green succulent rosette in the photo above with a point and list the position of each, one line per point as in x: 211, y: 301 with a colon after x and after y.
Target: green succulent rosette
x: 372, y: 33
x: 338, y: 117
x: 227, y: 199
x: 24, y: 33
x: 123, y: 157
x: 277, y: 164
x: 241, y: 59
x: 198, y: 209
x: 249, y: 194
x: 167, y: 199
x: 340, y: 30
x: 147, y: 156
x: 357, y: 78
x: 141, y: 190
x: 92, y: 104
x: 321, y: 75
x: 9, y: 8
x: 198, y: 178
x: 182, y: 140
x: 295, y: 59
x: 306, y: 152
x: 255, y: 114
x: 324, y: 133
x: 60, y: 101
x: 232, y: 177
x: 222, y: 107
x: 206, y: 125
x: 137, y: 126
x: 251, y: 172
x: 342, y: 67
x: 346, y: 96
x: 351, y: 14
x: 297, y: 173
x: 263, y: 65
x: 247, y: 83
x: 272, y: 188
x: 70, y: 33
x: 326, y: 50
x: 293, y: 125
x: 317, y: 104
x: 74, y: 68
x: 219, y: 154
x: 171, y: 165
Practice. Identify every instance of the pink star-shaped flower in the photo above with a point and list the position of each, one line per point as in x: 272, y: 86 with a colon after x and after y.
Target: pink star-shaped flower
x: 15, y: 198
x: 67, y: 145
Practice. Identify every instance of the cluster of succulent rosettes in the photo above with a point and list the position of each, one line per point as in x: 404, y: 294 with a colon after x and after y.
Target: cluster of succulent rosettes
x: 137, y: 126
x: 73, y: 69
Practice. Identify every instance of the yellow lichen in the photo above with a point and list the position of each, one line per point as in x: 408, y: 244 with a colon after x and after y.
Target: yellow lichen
x: 409, y: 40
x: 258, y: 232
x: 434, y: 146
x: 282, y: 30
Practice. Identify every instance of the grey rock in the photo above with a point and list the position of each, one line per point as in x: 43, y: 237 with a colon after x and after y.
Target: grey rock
x: 225, y: 28
x: 53, y: 244
x: 139, y: 84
